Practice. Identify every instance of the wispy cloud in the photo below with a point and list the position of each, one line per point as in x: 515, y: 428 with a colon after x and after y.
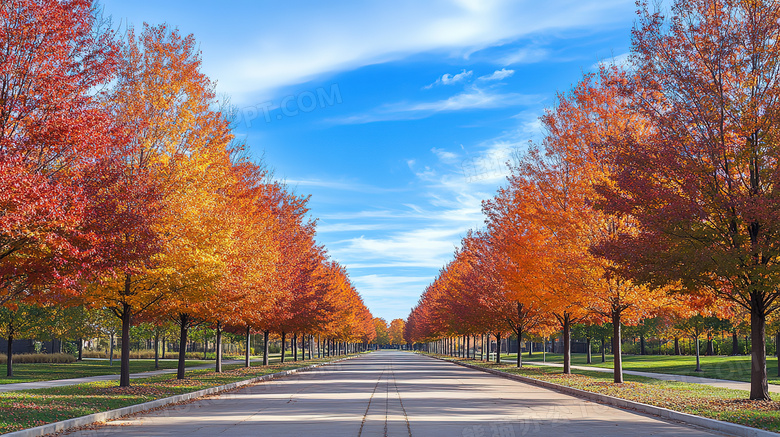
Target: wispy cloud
x: 444, y: 155
x: 525, y: 55
x: 342, y: 185
x: 394, y: 294
x: 264, y: 55
x: 470, y: 99
x: 619, y: 60
x: 449, y: 79
x: 497, y: 75
x: 421, y: 247
x: 474, y: 98
x: 323, y: 227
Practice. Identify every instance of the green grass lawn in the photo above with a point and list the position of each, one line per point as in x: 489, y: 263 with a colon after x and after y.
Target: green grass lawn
x: 718, y: 367
x: 29, y: 408
x: 49, y: 371
x: 45, y: 371
x: 698, y: 399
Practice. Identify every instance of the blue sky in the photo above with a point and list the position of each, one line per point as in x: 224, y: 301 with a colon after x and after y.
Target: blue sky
x: 396, y: 116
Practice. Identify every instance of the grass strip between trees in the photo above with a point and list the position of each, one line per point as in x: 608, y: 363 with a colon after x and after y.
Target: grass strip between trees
x: 733, y: 368
x: 702, y: 400
x: 29, y: 408
x: 33, y: 372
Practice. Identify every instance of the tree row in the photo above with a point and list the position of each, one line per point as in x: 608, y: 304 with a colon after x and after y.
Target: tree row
x: 654, y: 192
x: 124, y: 188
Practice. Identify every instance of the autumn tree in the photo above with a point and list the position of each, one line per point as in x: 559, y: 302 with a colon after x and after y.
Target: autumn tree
x: 701, y: 183
x: 396, y: 332
x: 56, y: 60
x: 382, y: 335
x: 546, y: 198
x: 249, y: 255
x: 164, y: 105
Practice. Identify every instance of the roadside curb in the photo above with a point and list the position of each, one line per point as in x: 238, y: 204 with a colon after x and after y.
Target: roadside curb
x: 55, y: 427
x: 704, y: 422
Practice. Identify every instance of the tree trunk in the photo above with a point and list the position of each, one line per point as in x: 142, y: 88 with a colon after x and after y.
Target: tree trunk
x: 531, y: 348
x: 759, y: 390
x: 9, y: 364
x: 81, y: 350
x: 247, y: 362
x: 124, y: 368
x: 184, y: 320
x: 710, y: 350
x: 519, y: 333
x: 734, y: 343
x: 498, y: 348
x: 617, y: 348
x: 295, y: 347
x: 303, y: 347
x: 265, y: 347
x: 590, y: 355
x: 156, y: 349
x: 698, y: 362
x: 566, y: 344
x: 111, y: 349
x: 283, y: 341
x: 163, y: 347
x: 676, y: 346
x: 468, y: 346
x: 218, y: 348
x: 603, y: 350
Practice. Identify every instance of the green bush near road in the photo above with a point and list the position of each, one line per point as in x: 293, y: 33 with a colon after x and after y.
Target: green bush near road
x: 39, y: 358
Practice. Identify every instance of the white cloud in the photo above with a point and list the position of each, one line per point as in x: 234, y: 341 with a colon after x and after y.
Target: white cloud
x: 497, y: 75
x: 266, y: 47
x: 449, y: 79
x: 421, y: 247
x: 347, y: 227
x: 341, y: 185
x: 470, y: 99
x: 474, y: 98
x: 619, y: 60
x: 526, y: 55
x: 396, y: 261
x: 394, y: 295
x: 444, y: 155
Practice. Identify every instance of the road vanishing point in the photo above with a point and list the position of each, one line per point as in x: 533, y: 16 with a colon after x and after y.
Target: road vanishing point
x: 391, y: 393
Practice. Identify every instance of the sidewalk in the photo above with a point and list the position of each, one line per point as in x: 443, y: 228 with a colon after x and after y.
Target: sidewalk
x: 722, y: 383
x: 73, y: 381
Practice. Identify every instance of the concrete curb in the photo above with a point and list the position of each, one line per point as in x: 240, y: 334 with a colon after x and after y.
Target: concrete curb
x: 55, y: 427
x: 712, y: 424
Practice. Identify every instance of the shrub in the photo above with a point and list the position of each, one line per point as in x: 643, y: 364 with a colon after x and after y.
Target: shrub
x: 40, y: 358
x: 147, y: 354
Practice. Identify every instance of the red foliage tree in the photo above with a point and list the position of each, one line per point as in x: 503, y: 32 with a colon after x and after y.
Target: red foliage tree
x: 702, y: 184
x: 53, y: 126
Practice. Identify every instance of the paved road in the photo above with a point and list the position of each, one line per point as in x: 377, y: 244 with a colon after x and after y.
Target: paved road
x: 393, y: 394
